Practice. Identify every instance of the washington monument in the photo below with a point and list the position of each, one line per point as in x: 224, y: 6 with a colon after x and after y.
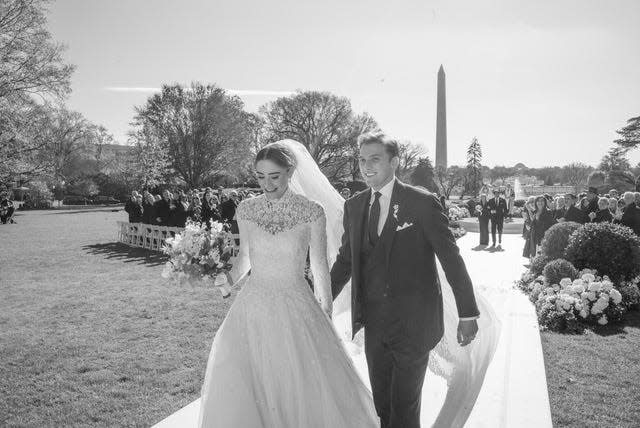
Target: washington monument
x: 441, y: 122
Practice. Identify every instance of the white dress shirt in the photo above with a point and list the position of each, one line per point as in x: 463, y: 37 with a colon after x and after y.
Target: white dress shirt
x: 385, y: 202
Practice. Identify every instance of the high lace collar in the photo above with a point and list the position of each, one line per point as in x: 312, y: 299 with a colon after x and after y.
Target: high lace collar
x: 281, y: 200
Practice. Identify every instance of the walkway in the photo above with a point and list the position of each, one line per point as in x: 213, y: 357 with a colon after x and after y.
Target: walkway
x: 514, y: 394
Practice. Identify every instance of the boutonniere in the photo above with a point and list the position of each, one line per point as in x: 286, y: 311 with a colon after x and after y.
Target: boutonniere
x: 395, y: 211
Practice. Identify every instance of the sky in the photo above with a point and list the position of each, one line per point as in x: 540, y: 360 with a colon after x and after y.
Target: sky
x: 539, y: 82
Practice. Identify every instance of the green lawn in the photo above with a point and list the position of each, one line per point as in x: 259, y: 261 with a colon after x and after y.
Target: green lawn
x: 91, y: 335
x: 594, y: 379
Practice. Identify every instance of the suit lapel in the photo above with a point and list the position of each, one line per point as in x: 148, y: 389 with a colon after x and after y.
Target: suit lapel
x: 360, y: 205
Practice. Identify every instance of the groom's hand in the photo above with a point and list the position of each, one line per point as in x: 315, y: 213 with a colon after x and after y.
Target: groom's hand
x: 467, y: 330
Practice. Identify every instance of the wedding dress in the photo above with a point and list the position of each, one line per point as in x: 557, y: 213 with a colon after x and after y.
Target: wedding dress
x: 276, y: 360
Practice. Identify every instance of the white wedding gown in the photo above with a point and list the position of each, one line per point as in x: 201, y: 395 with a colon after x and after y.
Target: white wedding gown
x: 276, y: 360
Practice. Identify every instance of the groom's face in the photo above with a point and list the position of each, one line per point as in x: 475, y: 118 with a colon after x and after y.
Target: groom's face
x: 376, y: 165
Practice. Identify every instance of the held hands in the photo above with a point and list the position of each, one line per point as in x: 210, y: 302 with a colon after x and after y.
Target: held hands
x: 467, y: 330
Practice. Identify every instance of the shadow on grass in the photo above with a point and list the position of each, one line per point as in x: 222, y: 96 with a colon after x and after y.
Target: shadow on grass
x: 95, y: 210
x: 117, y: 250
x: 631, y: 320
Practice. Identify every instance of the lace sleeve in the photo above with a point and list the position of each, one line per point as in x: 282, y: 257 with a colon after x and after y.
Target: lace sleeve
x: 241, y: 264
x: 318, y: 256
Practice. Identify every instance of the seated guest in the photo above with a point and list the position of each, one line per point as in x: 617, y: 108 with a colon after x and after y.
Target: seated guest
x: 195, y: 208
x: 181, y: 211
x: 573, y: 213
x: 603, y: 215
x: 149, y: 210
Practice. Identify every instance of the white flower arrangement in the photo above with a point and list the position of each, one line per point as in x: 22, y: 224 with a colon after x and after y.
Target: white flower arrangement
x: 199, y: 254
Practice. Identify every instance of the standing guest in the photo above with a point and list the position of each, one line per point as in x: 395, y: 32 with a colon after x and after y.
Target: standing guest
x: 345, y: 193
x: 210, y: 210
x: 603, y: 215
x: 498, y: 211
x: 181, y: 211
x: 573, y: 213
x: 613, y: 193
x: 129, y: 205
x: 157, y: 197
x: 615, y: 210
x: 630, y: 217
x: 164, y: 208
x: 149, y: 210
x: 228, y: 208
x: 195, y: 210
x: 560, y: 209
x: 528, y: 212
x: 592, y: 198
x: 510, y: 197
x: 541, y: 222
x: 135, y: 216
x: 6, y: 209
x: 483, y: 218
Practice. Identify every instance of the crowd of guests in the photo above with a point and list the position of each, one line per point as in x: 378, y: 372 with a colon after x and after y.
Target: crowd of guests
x: 542, y: 212
x: 171, y: 209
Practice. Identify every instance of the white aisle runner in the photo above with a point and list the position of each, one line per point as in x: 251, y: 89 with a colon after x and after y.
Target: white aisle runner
x: 514, y: 393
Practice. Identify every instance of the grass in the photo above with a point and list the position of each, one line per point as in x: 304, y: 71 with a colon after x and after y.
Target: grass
x: 594, y: 379
x: 90, y: 334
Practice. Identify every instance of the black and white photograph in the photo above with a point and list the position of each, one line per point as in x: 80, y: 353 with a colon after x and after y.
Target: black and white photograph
x: 319, y: 214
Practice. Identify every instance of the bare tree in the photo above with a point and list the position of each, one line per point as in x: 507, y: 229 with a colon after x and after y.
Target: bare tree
x: 575, y: 174
x: 410, y: 154
x: 30, y: 62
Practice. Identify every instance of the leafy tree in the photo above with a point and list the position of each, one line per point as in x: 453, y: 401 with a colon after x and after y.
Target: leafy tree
x: 630, y: 134
x: 622, y: 181
x: 615, y: 159
x: 474, y: 167
x: 149, y: 161
x: 203, y: 130
x: 448, y: 179
x: 423, y: 175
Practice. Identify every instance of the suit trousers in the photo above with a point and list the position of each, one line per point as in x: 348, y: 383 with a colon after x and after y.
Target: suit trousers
x: 397, y: 368
x: 496, y: 223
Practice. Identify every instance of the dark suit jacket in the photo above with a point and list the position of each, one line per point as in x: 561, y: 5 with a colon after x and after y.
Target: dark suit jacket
x: 164, y: 210
x: 410, y: 261
x: 228, y: 210
x: 631, y: 217
x: 576, y: 214
x: 603, y: 216
x: 500, y: 208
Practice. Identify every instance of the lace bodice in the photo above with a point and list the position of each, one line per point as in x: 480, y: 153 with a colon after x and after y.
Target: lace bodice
x: 274, y: 239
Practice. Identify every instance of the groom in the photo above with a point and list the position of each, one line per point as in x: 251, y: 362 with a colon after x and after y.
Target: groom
x: 392, y: 233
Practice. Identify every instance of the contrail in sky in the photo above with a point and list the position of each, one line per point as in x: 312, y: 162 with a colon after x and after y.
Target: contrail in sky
x: 245, y: 92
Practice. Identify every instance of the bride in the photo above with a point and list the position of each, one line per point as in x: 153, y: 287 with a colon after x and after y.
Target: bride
x: 278, y: 360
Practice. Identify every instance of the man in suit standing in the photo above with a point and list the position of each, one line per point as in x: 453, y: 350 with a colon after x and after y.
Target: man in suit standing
x: 130, y: 206
x: 498, y: 210
x: 228, y: 211
x: 392, y: 233
x: 573, y: 213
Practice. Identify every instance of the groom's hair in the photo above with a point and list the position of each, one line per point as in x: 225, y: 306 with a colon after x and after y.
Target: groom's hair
x: 377, y: 137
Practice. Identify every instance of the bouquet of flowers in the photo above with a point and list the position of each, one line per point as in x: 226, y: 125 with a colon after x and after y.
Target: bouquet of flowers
x: 199, y: 254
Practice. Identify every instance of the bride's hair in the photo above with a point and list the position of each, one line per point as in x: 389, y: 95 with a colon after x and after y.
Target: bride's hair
x: 277, y: 153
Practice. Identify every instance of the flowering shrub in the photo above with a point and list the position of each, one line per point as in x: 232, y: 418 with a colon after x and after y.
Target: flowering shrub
x: 570, y: 305
x: 538, y: 263
x: 457, y: 230
x: 556, y: 270
x: 198, y: 254
x: 611, y: 249
x: 556, y: 239
x: 630, y: 294
x: 457, y: 213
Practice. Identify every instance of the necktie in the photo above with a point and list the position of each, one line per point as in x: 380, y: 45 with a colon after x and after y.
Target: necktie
x: 374, y: 217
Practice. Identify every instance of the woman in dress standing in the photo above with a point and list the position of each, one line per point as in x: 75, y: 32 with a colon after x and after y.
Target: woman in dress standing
x: 542, y: 220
